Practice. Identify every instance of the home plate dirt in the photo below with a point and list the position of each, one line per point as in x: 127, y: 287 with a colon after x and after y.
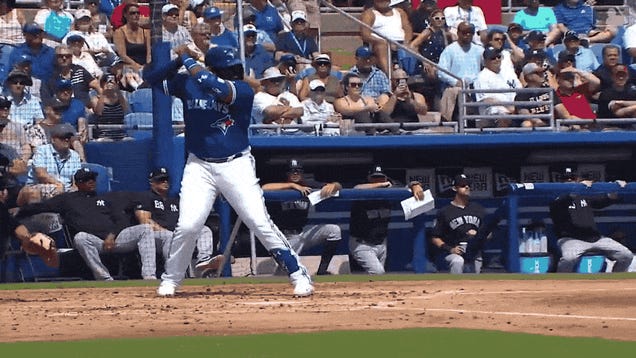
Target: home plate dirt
x: 587, y: 308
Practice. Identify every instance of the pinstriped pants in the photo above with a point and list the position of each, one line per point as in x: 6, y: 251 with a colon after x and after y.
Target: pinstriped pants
x: 205, y: 244
x: 141, y: 237
x: 572, y: 250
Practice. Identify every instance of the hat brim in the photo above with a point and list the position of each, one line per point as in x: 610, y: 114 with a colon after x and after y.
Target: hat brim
x: 160, y: 177
x: 271, y: 77
x: 27, y: 80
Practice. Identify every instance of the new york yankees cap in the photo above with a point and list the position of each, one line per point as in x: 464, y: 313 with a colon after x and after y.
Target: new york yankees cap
x: 461, y: 180
x: 84, y: 174
x: 158, y: 173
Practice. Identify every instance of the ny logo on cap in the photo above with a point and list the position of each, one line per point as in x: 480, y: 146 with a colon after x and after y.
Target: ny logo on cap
x: 293, y: 163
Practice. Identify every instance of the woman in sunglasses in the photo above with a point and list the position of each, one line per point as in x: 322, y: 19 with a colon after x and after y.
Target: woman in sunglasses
x: 132, y: 42
x: 361, y: 109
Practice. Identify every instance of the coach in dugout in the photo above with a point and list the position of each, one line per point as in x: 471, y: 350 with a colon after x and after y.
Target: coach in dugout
x: 575, y: 227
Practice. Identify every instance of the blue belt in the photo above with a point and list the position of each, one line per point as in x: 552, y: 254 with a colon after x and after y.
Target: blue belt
x: 223, y: 160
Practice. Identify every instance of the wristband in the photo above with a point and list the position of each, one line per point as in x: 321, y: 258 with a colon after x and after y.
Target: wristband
x: 446, y: 247
x: 188, y: 61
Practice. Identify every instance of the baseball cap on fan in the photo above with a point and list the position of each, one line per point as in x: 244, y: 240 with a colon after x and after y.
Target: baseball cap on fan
x: 377, y: 172
x: 167, y: 7
x: 294, y: 166
x: 84, y: 174
x: 298, y: 15
x: 316, y: 84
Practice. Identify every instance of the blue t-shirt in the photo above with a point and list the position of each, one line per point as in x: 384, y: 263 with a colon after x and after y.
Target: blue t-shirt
x: 541, y: 21
x: 42, y: 62
x: 226, y: 38
x: 268, y: 20
x: 580, y: 19
x: 303, y: 46
x: 259, y: 61
x: 75, y: 110
x: 213, y: 129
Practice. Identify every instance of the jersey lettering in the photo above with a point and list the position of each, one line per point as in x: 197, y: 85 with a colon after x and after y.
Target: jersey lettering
x: 462, y: 220
x: 174, y: 208
x: 207, y: 104
x: 159, y: 205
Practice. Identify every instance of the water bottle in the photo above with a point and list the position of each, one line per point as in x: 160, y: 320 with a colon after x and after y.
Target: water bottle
x: 536, y: 242
x: 544, y: 242
x: 522, y: 241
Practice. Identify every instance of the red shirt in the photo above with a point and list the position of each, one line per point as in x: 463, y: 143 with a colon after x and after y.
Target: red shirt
x: 117, y: 18
x: 577, y: 104
x: 491, y: 9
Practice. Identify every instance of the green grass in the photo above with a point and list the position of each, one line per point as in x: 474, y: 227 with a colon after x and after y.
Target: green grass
x: 429, y: 342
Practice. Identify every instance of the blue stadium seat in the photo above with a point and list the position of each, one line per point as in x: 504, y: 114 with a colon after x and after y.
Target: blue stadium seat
x: 104, y: 176
x: 133, y: 121
x: 141, y: 100
x: 598, y: 51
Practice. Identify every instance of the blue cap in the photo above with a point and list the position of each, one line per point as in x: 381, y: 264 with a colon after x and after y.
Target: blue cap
x: 288, y: 59
x: 364, y: 52
x: 32, y: 28
x: 24, y: 58
x: 212, y: 13
x: 62, y: 83
x: 222, y: 57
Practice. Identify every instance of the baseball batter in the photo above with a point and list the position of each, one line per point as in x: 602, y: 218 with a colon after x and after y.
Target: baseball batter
x: 217, y: 105
x: 459, y: 222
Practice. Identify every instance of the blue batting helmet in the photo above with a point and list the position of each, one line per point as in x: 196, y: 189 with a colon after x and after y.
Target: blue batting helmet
x: 222, y: 57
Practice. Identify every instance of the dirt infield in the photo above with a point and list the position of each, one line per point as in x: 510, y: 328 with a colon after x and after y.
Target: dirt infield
x: 590, y: 308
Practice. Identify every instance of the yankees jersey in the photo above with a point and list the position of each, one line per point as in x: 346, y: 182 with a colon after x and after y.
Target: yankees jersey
x: 573, y: 215
x: 292, y: 214
x: 453, y: 222
x: 213, y: 129
x: 81, y: 212
x: 164, y: 212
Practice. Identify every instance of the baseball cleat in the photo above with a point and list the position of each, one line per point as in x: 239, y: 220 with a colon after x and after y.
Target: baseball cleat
x: 302, y: 284
x: 166, y: 289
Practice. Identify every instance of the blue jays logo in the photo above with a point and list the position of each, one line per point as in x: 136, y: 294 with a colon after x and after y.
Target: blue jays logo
x: 223, y: 124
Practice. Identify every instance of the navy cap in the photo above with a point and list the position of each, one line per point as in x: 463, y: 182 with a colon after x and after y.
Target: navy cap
x: 364, y: 52
x: 288, y: 59
x: 62, y: 83
x: 24, y: 58
x: 294, y: 165
x: 84, y: 174
x: 514, y: 26
x: 222, y: 57
x: 535, y: 36
x: 570, y: 35
x: 4, y: 102
x: 32, y: 28
x: 376, y: 171
x: 539, y: 53
x: 158, y: 174
x: 461, y: 180
x: 565, y: 56
x: 212, y: 12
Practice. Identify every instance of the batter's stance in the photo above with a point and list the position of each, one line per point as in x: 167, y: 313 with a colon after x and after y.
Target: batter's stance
x: 217, y: 104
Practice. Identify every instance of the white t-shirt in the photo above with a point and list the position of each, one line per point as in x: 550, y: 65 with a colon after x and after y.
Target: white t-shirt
x: 487, y: 79
x: 263, y: 100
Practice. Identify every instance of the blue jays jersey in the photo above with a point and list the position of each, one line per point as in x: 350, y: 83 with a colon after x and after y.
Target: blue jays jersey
x: 213, y: 128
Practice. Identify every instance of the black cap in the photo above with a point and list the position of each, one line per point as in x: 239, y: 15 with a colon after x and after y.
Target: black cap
x: 20, y: 75
x: 158, y: 174
x: 294, y: 165
x: 568, y: 174
x: 570, y: 35
x: 57, y: 105
x: 491, y: 52
x: 108, y: 77
x: 376, y: 171
x: 535, y: 36
x: 4, y: 102
x: 63, y: 130
x: 539, y: 53
x: 514, y: 26
x: 461, y: 180
x: 565, y: 56
x: 84, y: 174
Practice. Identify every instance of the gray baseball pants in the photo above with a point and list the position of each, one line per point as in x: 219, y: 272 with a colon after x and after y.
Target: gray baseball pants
x: 572, y: 249
x: 370, y: 257
x: 138, y: 237
x: 314, y: 235
x: 205, y: 244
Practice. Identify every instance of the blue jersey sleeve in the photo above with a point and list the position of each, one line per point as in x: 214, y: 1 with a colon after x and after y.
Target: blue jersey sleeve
x: 218, y: 87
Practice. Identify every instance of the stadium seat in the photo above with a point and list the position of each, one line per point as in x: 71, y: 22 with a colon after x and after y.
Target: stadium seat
x: 141, y: 100
x: 138, y: 124
x: 104, y: 176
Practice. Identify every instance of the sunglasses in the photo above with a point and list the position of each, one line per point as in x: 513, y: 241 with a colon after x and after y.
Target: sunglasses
x: 498, y: 57
x: 323, y: 64
x: 467, y: 32
x: 18, y: 83
x: 438, y: 18
x: 498, y: 39
x: 174, y: 14
x: 64, y: 56
x: 355, y: 84
x: 276, y: 80
x: 133, y: 12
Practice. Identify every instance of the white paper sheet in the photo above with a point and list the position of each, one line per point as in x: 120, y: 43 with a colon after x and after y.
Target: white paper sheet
x: 413, y: 207
x: 315, y: 198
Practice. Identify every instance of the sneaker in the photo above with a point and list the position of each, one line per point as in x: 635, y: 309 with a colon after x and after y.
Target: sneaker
x: 166, y: 289
x: 302, y: 284
x: 209, y: 263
